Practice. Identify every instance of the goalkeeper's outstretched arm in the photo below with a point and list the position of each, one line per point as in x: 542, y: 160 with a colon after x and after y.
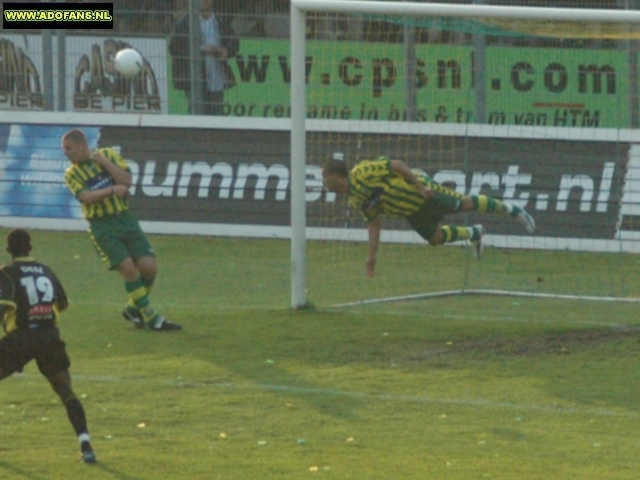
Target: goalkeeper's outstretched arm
x: 375, y: 226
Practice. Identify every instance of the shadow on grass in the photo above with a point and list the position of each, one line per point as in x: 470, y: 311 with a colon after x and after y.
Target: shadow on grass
x: 15, y: 472
x: 324, y: 399
x: 18, y: 472
x: 283, y: 383
x: 112, y: 471
x: 588, y: 367
x: 262, y: 348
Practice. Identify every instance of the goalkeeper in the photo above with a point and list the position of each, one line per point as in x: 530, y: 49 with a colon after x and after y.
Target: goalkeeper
x: 389, y: 187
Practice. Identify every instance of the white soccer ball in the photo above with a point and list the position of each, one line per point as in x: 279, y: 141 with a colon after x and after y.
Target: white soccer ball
x: 128, y: 62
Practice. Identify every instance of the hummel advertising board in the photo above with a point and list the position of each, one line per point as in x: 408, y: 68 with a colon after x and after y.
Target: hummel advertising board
x: 241, y: 178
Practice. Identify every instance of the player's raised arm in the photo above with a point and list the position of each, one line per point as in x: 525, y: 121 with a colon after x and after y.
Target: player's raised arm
x: 121, y: 176
x: 93, y: 196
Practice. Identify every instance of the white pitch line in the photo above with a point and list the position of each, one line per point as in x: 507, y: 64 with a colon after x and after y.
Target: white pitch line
x: 178, y: 306
x: 355, y: 311
x: 357, y: 395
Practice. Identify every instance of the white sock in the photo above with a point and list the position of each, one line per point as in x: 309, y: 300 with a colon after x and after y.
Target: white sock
x: 508, y: 207
x: 475, y: 233
x: 83, y: 437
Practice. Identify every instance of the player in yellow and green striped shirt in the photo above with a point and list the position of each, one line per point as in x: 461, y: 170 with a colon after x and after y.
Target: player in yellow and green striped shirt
x: 389, y: 187
x: 100, y: 180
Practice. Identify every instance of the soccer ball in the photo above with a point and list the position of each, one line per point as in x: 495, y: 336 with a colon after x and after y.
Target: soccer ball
x: 128, y: 62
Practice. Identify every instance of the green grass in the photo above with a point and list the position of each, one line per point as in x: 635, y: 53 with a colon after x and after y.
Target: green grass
x: 453, y: 388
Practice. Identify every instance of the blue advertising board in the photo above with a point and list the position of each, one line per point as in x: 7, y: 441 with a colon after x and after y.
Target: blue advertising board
x: 32, y: 166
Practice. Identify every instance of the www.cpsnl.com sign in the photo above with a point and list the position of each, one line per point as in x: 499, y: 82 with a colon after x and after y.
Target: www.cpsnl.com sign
x: 366, y: 81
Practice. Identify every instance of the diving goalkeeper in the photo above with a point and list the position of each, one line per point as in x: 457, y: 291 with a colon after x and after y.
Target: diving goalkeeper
x: 389, y: 187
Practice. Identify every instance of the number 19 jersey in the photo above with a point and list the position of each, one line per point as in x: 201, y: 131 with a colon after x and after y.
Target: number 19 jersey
x: 31, y: 293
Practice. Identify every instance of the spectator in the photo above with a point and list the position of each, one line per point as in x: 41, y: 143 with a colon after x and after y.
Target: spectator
x: 143, y: 16
x: 217, y: 44
x: 277, y: 22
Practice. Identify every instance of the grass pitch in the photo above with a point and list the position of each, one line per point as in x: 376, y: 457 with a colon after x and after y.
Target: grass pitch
x: 453, y: 388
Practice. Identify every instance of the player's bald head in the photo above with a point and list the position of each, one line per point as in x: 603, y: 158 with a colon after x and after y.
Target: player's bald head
x: 76, y: 136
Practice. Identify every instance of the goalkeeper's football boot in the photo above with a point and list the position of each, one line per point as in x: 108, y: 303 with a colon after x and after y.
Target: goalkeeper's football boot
x: 161, y: 324
x: 133, y: 315
x: 476, y: 241
x: 526, y: 220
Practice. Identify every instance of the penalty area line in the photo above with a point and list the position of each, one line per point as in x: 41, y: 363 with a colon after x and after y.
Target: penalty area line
x: 386, y: 397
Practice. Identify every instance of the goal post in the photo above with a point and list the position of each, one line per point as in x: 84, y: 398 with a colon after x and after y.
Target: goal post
x: 298, y: 159
x: 300, y: 123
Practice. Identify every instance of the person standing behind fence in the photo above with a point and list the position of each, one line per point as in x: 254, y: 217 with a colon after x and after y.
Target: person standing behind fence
x: 217, y: 45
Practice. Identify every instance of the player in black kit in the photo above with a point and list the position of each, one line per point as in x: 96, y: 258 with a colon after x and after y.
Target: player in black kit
x: 31, y: 299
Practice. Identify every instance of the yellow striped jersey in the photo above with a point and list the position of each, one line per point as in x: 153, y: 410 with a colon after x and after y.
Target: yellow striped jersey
x: 89, y: 175
x: 31, y: 294
x: 375, y: 189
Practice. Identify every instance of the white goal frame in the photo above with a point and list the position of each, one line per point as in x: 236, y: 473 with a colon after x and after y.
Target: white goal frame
x: 298, y: 88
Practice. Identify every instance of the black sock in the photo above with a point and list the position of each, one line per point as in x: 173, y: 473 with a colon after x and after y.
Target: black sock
x: 76, y: 415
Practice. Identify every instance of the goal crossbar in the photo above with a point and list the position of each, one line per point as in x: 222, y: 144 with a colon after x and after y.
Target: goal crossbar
x: 467, y: 10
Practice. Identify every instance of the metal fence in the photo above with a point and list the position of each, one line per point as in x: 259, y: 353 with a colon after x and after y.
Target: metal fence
x: 73, y: 70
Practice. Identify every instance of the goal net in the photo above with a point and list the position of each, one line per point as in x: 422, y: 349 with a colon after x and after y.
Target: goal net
x: 534, y: 106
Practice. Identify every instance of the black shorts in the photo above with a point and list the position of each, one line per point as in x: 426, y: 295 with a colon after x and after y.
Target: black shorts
x: 44, y: 345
